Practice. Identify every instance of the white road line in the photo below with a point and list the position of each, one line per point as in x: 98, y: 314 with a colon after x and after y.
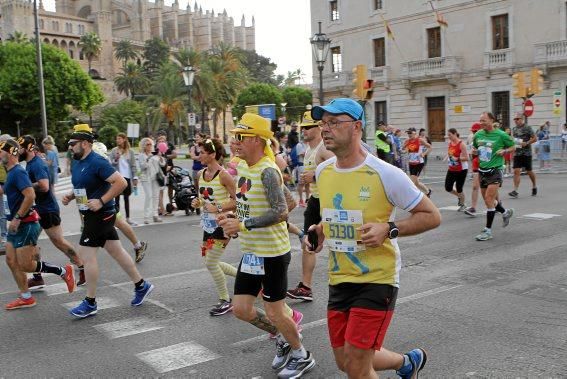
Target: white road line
x: 129, y: 327
x: 177, y: 356
x: 540, y: 216
x: 148, y: 300
x: 323, y: 321
x: 101, y: 302
x: 56, y: 289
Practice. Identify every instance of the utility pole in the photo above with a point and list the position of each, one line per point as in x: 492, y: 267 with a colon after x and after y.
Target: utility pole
x: 40, y: 71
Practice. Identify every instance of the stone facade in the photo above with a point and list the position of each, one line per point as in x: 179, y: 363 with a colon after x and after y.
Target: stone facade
x: 116, y: 20
x: 444, y: 78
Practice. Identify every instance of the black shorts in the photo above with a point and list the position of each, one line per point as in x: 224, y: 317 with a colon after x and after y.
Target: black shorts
x: 312, y: 214
x: 49, y: 220
x: 273, y: 282
x: 218, y: 234
x: 415, y: 169
x: 490, y: 176
x: 523, y: 161
x: 380, y: 297
x: 455, y: 177
x: 98, y: 228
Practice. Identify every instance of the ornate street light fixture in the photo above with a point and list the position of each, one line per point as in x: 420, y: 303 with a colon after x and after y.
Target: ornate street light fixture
x: 188, y: 77
x: 320, y: 44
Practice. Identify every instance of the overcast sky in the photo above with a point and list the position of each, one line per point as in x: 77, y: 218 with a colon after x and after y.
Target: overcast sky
x: 282, y: 28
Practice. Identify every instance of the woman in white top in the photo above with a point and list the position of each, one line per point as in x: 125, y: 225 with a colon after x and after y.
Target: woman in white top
x: 150, y: 167
x: 124, y: 161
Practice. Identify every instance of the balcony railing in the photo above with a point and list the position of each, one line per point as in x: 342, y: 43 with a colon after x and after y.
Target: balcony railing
x: 503, y: 58
x: 336, y: 79
x: 379, y: 74
x: 551, y: 53
x: 431, y: 68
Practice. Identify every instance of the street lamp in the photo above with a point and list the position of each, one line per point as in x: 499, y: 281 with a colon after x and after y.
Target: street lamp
x: 147, y: 124
x: 188, y: 77
x: 213, y: 110
x: 320, y: 44
x: 40, y: 71
x: 18, y: 128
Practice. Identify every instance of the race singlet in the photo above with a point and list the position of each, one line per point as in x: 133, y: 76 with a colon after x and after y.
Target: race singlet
x: 343, y: 235
x: 251, y: 264
x: 208, y: 222
x: 485, y: 153
x: 81, y: 198
x: 414, y: 158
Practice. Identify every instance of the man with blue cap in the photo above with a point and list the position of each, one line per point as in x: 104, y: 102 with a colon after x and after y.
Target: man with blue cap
x: 358, y: 195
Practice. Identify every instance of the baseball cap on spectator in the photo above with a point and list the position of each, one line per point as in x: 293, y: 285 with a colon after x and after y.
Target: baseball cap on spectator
x: 340, y: 106
x: 518, y: 115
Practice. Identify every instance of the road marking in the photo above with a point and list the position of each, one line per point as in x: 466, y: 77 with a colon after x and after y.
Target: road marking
x: 323, y: 321
x: 177, y: 356
x: 151, y: 301
x: 129, y: 327
x: 101, y: 303
x: 56, y: 289
x: 540, y: 216
x: 449, y: 208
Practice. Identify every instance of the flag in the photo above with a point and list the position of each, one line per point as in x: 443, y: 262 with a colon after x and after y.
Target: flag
x: 388, y: 30
x: 441, y: 20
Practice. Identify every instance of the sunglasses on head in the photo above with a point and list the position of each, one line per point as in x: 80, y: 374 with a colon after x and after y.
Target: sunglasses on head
x: 240, y: 136
x: 211, y: 144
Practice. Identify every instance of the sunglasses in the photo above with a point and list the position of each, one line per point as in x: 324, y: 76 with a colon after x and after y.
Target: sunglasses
x: 240, y: 136
x: 73, y: 143
x: 309, y: 127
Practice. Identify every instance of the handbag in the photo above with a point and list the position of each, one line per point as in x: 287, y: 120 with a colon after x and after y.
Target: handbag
x: 160, y: 178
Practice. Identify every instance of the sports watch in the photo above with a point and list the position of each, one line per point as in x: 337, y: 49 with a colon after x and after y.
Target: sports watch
x: 394, y: 231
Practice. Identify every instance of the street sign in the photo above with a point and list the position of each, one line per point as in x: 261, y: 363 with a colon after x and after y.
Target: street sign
x: 528, y: 108
x: 133, y: 130
x: 192, y: 119
x: 557, y: 103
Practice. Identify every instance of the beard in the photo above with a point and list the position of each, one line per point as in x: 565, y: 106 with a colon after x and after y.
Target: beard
x: 4, y: 161
x: 79, y: 155
x: 22, y: 157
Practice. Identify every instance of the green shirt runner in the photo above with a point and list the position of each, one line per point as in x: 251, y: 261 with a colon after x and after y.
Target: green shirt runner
x: 488, y: 144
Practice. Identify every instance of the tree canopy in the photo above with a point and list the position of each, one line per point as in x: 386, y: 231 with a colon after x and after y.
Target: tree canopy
x: 67, y: 86
x: 257, y: 93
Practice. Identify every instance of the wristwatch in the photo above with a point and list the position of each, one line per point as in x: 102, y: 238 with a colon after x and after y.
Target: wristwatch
x: 394, y: 231
x: 17, y: 216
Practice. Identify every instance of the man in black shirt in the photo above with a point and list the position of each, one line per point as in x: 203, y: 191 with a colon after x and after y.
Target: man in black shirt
x: 524, y: 137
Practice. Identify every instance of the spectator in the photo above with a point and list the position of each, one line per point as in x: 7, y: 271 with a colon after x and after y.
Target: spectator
x: 150, y: 167
x: 52, y: 160
x: 293, y: 136
x: 544, y: 152
x: 563, y: 140
x: 123, y: 160
x: 383, y: 142
x: 170, y: 155
x: 397, y: 147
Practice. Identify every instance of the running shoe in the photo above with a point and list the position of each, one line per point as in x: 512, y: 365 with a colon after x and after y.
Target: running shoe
x: 428, y: 194
x: 417, y: 359
x: 20, y: 303
x: 485, y: 235
x: 131, y: 223
x: 513, y: 194
x: 462, y: 207
x: 534, y: 191
x: 35, y: 283
x: 141, y: 294
x: 297, y: 317
x: 283, y: 353
x: 297, y: 366
x: 82, y: 281
x: 506, y: 216
x: 69, y: 278
x: 141, y: 251
x: 470, y: 211
x: 84, y: 309
x: 221, y: 308
x: 157, y: 219
x: 300, y: 293
x: 302, y: 204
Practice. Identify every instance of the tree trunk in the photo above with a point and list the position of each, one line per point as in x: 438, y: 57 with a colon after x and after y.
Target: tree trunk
x: 224, y: 125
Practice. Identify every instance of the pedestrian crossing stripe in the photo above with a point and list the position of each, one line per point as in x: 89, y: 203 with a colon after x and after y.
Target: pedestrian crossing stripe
x: 540, y: 216
x: 128, y: 327
x: 177, y: 356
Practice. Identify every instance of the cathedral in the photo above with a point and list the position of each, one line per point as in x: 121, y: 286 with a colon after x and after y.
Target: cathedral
x: 116, y: 20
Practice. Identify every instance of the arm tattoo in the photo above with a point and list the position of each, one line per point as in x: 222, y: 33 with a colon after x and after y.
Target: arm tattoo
x: 261, y: 322
x: 276, y: 199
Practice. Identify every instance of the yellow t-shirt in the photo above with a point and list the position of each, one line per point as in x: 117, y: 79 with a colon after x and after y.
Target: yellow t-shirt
x: 352, y: 197
x: 311, y: 165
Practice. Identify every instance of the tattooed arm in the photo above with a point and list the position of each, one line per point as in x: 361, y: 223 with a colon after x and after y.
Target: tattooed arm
x: 261, y: 321
x: 275, y: 196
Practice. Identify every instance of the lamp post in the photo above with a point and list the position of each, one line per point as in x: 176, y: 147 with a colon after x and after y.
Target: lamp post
x: 188, y: 77
x: 147, y: 124
x: 320, y: 44
x: 18, y: 128
x: 40, y: 71
x: 214, y: 118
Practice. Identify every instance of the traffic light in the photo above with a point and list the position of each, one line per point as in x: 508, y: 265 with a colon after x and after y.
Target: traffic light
x: 519, y: 85
x: 368, y: 89
x: 536, y: 80
x: 359, y: 81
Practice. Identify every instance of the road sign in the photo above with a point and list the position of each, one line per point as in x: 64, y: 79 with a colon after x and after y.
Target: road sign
x: 133, y: 130
x: 192, y: 119
x: 528, y: 108
x: 557, y: 103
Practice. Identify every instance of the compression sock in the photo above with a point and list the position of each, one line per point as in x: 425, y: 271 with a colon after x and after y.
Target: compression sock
x: 140, y: 284
x: 490, y: 217
x: 48, y: 268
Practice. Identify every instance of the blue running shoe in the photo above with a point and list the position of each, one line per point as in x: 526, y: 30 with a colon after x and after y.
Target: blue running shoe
x: 417, y: 359
x: 84, y: 310
x: 141, y: 294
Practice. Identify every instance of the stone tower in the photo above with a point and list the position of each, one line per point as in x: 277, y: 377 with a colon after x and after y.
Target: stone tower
x: 17, y: 16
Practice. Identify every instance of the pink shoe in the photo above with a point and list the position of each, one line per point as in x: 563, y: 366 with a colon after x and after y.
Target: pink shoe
x: 297, y: 317
x: 302, y: 204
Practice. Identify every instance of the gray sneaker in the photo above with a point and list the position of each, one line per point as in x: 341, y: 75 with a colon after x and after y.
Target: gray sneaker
x: 506, y: 216
x: 470, y: 211
x: 141, y: 252
x: 283, y: 353
x: 296, y: 367
x: 462, y: 208
x: 485, y: 235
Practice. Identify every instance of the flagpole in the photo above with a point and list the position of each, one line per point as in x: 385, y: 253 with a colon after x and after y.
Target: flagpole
x: 390, y: 34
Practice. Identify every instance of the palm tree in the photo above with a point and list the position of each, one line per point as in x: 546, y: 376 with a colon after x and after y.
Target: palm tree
x: 131, y: 80
x: 124, y: 51
x: 18, y: 37
x: 168, y: 92
x: 90, y: 45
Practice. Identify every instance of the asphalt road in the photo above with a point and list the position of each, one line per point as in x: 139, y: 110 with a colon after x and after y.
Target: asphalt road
x: 481, y: 309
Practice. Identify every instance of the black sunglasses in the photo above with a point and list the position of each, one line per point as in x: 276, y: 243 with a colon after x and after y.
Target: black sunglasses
x: 73, y: 143
x: 309, y: 127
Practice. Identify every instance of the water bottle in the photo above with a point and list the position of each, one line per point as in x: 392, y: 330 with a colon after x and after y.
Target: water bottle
x: 135, y: 191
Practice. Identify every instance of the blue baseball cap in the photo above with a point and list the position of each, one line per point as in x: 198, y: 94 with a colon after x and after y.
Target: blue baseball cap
x: 340, y: 106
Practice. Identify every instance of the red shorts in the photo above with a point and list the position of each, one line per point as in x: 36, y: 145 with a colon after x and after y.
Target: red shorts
x: 360, y: 314
x: 361, y: 328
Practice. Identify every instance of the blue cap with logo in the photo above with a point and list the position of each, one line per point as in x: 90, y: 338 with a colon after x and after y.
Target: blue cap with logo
x: 340, y: 106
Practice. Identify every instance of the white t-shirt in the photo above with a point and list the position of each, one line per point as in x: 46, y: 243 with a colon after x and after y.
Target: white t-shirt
x: 124, y: 167
x: 300, y: 151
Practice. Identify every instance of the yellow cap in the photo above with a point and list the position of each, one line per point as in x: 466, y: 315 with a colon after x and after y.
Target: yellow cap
x: 308, y: 120
x: 82, y: 128
x: 253, y: 124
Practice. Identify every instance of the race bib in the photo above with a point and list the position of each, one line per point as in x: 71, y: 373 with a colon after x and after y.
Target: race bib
x: 252, y: 264
x: 485, y: 153
x: 415, y: 157
x: 208, y: 222
x: 5, y: 201
x: 518, y: 142
x: 81, y: 198
x: 342, y: 234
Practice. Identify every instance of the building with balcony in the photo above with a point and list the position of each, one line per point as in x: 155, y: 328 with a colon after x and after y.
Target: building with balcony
x: 445, y: 61
x: 117, y: 20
